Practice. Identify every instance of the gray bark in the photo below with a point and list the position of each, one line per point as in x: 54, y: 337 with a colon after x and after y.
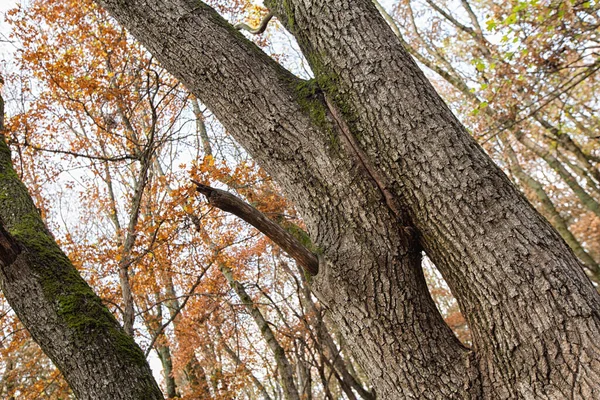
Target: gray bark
x: 380, y: 168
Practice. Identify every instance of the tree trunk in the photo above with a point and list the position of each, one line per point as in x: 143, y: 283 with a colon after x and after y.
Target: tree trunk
x: 62, y: 313
x: 236, y: 359
x: 283, y: 364
x: 164, y: 354
x: 380, y: 169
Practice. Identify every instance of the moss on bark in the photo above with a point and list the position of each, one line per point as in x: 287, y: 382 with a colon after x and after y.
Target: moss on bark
x: 75, y: 303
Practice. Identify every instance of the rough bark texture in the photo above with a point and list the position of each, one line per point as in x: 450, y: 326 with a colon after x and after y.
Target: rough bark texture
x: 524, y: 294
x: 380, y: 169
x: 62, y: 313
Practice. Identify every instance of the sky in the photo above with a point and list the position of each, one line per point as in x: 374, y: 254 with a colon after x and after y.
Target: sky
x: 5, y: 48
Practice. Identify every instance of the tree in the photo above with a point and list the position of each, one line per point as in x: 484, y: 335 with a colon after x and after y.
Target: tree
x: 112, y: 108
x: 381, y: 170
x: 57, y: 306
x: 541, y: 130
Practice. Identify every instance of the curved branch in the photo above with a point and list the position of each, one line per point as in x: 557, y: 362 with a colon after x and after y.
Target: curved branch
x: 259, y: 29
x: 231, y: 204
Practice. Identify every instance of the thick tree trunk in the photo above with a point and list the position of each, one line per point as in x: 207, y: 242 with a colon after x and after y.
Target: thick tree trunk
x: 380, y: 168
x: 470, y: 219
x: 58, y: 308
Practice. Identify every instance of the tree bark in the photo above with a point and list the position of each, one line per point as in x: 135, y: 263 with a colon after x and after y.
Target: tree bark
x: 380, y: 169
x: 230, y: 203
x: 62, y: 313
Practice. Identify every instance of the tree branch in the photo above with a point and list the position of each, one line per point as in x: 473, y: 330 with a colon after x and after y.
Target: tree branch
x: 231, y: 204
x: 259, y: 29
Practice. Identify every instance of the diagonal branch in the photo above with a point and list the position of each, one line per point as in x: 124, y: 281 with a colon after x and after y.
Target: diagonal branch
x: 259, y: 29
x: 231, y: 204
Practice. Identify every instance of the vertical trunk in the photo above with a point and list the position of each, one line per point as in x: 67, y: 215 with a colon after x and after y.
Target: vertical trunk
x: 153, y: 324
x: 129, y: 242
x: 164, y: 354
x: 283, y: 364
x: 201, y: 127
x: 304, y: 376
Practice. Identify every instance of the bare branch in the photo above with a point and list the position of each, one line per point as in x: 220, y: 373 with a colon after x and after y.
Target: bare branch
x: 259, y: 29
x: 125, y: 157
x: 230, y: 203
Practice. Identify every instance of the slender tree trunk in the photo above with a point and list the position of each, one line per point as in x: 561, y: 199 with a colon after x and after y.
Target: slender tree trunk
x: 153, y: 324
x: 303, y: 374
x: 552, y: 213
x: 283, y: 364
x: 164, y: 354
x: 588, y: 201
x: 236, y: 359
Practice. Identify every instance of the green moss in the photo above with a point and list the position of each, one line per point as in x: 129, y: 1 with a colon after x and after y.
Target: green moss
x: 289, y: 14
x: 311, y: 100
x: 301, y: 235
x: 288, y: 18
x: 75, y: 303
x: 127, y: 346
